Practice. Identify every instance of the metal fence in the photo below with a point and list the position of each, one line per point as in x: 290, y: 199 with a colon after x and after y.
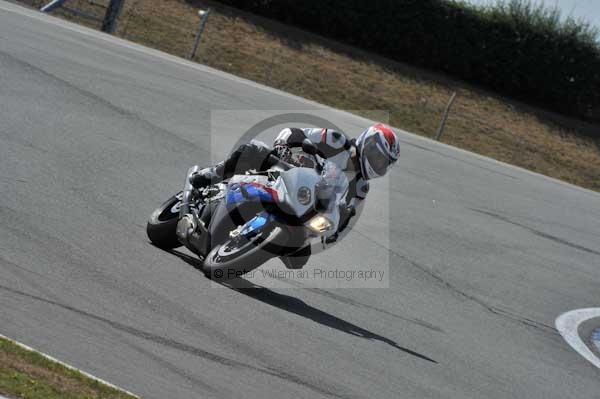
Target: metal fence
x: 100, y: 14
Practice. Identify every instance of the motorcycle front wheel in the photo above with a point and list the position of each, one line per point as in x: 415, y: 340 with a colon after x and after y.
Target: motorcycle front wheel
x: 241, y: 255
x: 162, y: 225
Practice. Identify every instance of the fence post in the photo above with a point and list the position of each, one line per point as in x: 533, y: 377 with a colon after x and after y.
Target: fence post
x: 109, y: 25
x: 445, y: 117
x: 204, y: 15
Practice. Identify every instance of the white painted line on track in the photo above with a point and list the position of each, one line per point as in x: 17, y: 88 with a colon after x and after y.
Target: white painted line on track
x: 34, y: 14
x: 568, y: 324
x: 93, y: 377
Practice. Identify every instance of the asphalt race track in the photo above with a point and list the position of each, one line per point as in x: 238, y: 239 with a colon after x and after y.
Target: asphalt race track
x: 95, y: 133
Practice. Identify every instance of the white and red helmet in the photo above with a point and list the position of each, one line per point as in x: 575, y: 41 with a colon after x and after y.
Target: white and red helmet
x: 378, y: 150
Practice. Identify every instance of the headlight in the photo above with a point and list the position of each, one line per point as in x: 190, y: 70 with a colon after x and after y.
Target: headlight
x: 319, y: 224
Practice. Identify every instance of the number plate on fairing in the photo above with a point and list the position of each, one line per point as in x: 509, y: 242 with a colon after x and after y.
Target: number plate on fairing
x: 294, y: 180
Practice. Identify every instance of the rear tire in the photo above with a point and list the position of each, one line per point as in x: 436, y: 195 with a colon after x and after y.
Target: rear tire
x: 162, y: 225
x: 232, y: 260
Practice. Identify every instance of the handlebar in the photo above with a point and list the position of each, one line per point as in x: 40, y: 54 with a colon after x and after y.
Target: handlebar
x: 276, y: 161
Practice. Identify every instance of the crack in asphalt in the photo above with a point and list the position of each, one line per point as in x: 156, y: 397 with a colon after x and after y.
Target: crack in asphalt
x: 186, y: 375
x: 182, y: 346
x: 172, y: 137
x: 4, y: 260
x: 535, y: 231
x: 492, y: 309
x: 301, y: 308
x: 352, y: 302
x: 188, y: 318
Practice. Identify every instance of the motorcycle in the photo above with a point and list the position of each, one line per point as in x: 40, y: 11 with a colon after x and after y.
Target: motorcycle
x: 285, y: 212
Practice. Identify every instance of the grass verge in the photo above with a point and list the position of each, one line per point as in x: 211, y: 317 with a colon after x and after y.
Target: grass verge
x: 347, y: 78
x: 29, y: 375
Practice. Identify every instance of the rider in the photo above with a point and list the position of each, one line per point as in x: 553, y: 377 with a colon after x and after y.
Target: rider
x: 369, y: 156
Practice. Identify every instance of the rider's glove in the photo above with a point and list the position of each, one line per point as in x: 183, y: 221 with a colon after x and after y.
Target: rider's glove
x: 201, y: 178
x: 283, y: 152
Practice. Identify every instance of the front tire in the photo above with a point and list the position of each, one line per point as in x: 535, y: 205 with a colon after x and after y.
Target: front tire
x: 162, y: 225
x: 237, y: 257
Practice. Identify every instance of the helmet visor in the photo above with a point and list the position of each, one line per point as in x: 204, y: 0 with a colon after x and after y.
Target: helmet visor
x: 376, y: 156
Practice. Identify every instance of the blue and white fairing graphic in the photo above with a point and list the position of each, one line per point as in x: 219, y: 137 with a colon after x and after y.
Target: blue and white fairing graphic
x: 242, y: 189
x: 249, y: 192
x: 256, y: 224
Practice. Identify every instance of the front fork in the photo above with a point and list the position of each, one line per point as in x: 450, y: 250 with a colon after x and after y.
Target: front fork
x: 187, y: 192
x: 191, y: 231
